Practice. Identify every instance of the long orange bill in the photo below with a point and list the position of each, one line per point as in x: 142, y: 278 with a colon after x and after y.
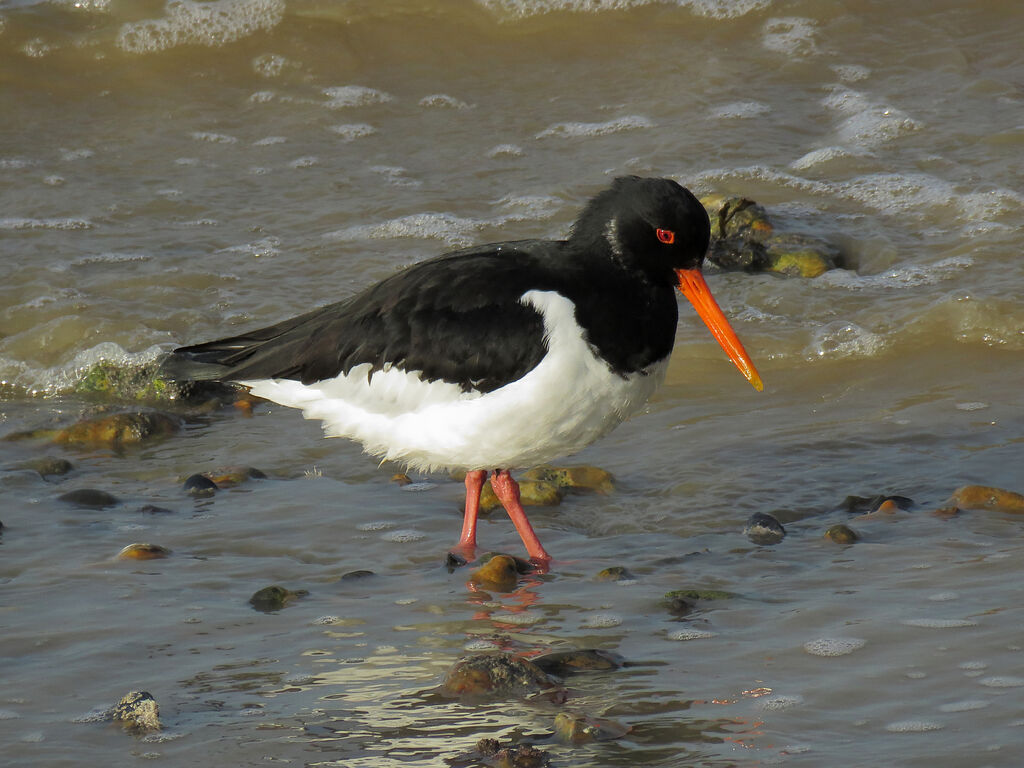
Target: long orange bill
x: 693, y: 287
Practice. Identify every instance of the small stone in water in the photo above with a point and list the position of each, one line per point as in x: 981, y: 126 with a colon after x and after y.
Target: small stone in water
x: 699, y: 594
x: 151, y: 509
x: 89, y: 497
x: 862, y: 504
x: 199, y: 486
x: 274, y: 598
x: 138, y: 711
x: 764, y: 529
x: 356, y: 575
x: 615, y: 573
x: 577, y: 729
x: 499, y: 574
x: 576, y: 478
x: 532, y: 493
x: 47, y: 466
x: 119, y: 429
x: 229, y: 477
x: 141, y: 551
x: 401, y: 478
x: 841, y: 534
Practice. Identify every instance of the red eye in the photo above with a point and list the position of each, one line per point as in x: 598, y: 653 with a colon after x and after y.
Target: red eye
x: 666, y: 236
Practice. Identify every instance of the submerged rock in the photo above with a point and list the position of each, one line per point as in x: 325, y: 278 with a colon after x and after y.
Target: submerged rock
x: 865, y: 504
x: 89, y: 497
x: 499, y: 574
x: 981, y: 497
x: 274, y: 598
x: 229, y: 477
x: 764, y: 529
x: 118, y: 430
x: 532, y: 493
x: 138, y: 711
x: 582, y: 478
x: 580, y: 729
x: 495, y: 676
x: 147, y: 382
x: 842, y: 534
x: 49, y: 466
x: 700, y: 594
x: 142, y: 551
x: 199, y: 486
x: 493, y: 753
x: 615, y: 573
x: 744, y: 238
x: 564, y: 663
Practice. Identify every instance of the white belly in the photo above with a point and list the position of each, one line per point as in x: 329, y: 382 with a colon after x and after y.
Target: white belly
x: 565, y: 403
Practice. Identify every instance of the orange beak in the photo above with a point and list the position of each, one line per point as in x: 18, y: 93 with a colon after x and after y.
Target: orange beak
x: 693, y: 287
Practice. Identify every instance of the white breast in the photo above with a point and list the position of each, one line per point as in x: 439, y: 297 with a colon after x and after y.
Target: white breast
x: 565, y: 403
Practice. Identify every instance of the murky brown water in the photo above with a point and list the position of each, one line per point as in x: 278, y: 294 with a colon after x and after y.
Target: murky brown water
x: 172, y: 172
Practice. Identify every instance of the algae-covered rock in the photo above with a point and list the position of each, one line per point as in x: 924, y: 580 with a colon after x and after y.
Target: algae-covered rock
x: 130, y: 381
x: 532, y: 493
x: 138, y: 712
x: 48, y: 466
x: 491, y: 752
x: 143, y: 551
x: 842, y: 534
x: 274, y: 598
x: 581, y: 478
x: 615, y: 573
x: 229, y: 477
x: 118, y: 430
x: 744, y: 238
x: 982, y: 497
x: 580, y: 729
x: 495, y: 676
x: 699, y: 594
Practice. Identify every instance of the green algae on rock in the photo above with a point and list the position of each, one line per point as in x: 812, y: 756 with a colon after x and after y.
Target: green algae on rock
x: 581, y: 729
x: 118, y: 430
x: 495, y: 676
x: 615, y: 573
x: 842, y: 534
x: 532, y: 493
x: 564, y: 663
x: 579, y: 478
x: 982, y: 497
x: 138, y: 712
x: 274, y: 598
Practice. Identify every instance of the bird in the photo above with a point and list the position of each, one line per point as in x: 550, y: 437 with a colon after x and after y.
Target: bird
x: 494, y: 357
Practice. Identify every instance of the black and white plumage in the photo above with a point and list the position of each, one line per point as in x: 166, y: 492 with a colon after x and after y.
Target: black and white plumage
x: 497, y: 356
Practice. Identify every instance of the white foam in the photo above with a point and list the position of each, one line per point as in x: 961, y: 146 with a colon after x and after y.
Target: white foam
x: 450, y: 229
x: 968, y: 705
x: 396, y: 175
x: 867, y: 124
x: 267, y: 141
x: 270, y: 64
x: 15, y: 222
x: 834, y: 646
x: 213, y: 138
x: 899, y: 278
x: 506, y: 150
x: 306, y: 161
x: 574, y: 130
x: 343, y: 96
x: 444, y: 101
x: 353, y: 131
x: 740, y: 110
x: 780, y: 703
x: 601, y: 621
x: 939, y: 623
x: 851, y: 73
x: 820, y: 157
x: 211, y: 24
x: 792, y: 35
x: 1002, y: 681
x: 714, y: 9
x: 690, y: 634
x: 404, y: 536
x: 841, y: 339
x: 913, y: 726
x: 527, y: 208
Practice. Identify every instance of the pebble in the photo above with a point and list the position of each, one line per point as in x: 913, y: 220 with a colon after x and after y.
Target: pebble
x: 49, y: 466
x: 499, y: 574
x: 615, y: 573
x: 842, y: 534
x: 199, y: 486
x: 142, y: 551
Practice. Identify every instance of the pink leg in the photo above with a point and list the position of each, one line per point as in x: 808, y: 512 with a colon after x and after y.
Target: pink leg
x: 467, y: 541
x: 507, y: 491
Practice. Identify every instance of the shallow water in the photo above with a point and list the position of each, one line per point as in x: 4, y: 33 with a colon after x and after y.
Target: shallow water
x: 172, y: 173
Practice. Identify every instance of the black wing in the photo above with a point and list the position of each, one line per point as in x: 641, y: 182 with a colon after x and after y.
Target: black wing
x: 457, y: 318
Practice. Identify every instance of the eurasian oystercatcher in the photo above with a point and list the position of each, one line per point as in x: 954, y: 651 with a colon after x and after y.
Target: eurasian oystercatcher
x: 498, y: 356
